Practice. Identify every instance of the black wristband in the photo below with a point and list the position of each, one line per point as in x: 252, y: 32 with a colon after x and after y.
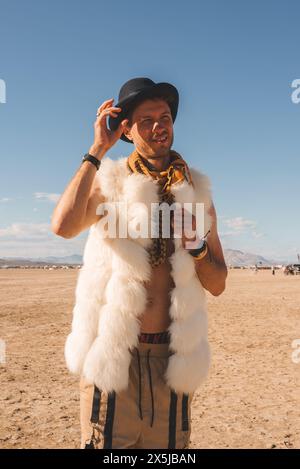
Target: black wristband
x: 196, y: 252
x: 91, y: 159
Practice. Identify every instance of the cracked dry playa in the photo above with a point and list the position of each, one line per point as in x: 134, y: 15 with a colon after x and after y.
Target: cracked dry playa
x: 251, y: 399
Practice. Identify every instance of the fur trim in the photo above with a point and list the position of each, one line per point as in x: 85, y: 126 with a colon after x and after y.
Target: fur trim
x: 111, y: 297
x: 186, y: 372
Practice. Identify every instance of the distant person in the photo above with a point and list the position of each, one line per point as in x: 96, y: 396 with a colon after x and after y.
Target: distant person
x: 139, y: 332
x: 273, y: 270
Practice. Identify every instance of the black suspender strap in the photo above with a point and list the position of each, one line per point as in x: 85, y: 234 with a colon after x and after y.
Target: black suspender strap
x: 172, y: 420
x: 110, y: 413
x: 94, y: 416
x: 184, y: 413
x: 96, y: 405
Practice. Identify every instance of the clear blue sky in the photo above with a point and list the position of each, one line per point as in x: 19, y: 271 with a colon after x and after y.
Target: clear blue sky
x: 233, y: 63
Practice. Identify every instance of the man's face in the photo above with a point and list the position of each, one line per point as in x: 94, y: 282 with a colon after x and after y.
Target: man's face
x: 151, y: 128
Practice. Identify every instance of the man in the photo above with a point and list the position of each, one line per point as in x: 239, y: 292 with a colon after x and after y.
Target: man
x: 139, y: 332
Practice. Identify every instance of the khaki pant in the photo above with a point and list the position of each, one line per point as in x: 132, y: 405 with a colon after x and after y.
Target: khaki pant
x: 148, y: 414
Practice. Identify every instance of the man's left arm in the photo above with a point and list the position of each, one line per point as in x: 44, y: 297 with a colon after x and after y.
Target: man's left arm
x: 211, y: 269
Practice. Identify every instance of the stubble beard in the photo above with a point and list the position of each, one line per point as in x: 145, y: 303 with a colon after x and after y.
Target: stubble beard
x: 165, y: 151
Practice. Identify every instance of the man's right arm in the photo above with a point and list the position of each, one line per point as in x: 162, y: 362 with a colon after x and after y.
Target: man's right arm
x: 76, y: 209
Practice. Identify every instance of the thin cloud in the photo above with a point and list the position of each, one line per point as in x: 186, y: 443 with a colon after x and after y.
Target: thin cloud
x: 51, y: 197
x: 26, y: 231
x: 37, y: 240
x: 229, y: 233
x: 257, y: 235
x: 5, y: 199
x: 239, y: 224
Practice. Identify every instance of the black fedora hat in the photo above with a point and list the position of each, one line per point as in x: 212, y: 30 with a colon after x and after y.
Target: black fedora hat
x: 137, y: 90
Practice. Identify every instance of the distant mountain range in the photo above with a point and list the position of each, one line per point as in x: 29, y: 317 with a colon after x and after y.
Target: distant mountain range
x: 239, y: 258
x: 20, y: 261
x: 74, y: 259
x: 233, y: 257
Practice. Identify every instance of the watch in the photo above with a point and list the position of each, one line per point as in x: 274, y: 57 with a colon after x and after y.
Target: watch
x: 92, y: 159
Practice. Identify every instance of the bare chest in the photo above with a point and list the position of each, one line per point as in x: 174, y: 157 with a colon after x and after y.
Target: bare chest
x: 156, y: 315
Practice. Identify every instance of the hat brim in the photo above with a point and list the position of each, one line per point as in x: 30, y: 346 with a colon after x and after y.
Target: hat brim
x: 159, y: 90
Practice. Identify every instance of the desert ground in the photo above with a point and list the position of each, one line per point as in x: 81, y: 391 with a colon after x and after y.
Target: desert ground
x: 251, y: 398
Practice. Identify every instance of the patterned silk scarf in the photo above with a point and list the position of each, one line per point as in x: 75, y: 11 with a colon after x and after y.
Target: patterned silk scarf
x: 176, y: 172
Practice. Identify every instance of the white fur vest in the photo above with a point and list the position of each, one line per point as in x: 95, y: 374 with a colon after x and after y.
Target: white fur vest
x: 111, y: 297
